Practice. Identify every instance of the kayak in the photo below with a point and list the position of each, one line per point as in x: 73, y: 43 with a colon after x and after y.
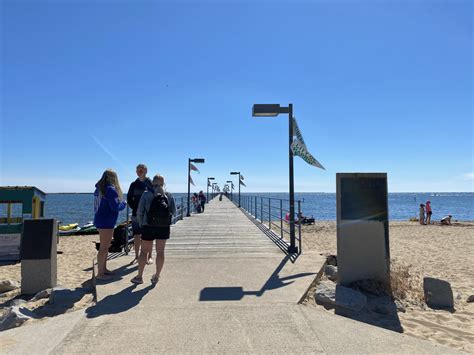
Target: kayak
x: 68, y: 227
x: 70, y: 231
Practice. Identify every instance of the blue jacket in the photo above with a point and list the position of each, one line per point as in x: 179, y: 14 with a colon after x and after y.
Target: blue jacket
x: 107, y: 208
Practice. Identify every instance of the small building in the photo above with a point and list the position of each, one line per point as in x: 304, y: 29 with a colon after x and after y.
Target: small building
x: 17, y: 203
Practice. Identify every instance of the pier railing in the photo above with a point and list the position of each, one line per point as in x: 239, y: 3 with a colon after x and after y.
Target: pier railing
x: 271, y: 213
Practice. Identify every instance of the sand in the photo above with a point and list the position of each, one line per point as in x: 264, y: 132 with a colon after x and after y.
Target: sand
x: 74, y: 271
x: 74, y: 263
x: 445, y: 252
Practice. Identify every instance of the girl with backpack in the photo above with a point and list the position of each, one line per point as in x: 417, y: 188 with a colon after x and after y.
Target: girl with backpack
x: 154, y: 214
x: 108, y: 201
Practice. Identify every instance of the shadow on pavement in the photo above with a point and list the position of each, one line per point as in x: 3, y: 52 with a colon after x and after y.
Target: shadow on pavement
x: 118, y: 303
x: 236, y: 293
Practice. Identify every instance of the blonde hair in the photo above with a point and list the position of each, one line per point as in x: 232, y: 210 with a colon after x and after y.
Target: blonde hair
x: 159, y: 183
x: 109, y: 177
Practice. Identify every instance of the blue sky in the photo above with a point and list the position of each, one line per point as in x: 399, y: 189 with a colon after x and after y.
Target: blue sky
x: 377, y: 86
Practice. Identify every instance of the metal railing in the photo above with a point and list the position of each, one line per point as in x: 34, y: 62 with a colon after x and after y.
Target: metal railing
x: 272, y: 213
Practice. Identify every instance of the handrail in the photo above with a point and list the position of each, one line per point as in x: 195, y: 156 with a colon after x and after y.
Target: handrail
x: 263, y: 210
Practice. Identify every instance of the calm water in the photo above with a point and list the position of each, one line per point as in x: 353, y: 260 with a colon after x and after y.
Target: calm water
x: 72, y: 208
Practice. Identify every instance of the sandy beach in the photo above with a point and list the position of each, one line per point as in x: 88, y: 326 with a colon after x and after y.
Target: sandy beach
x: 444, y: 252
x: 74, y: 261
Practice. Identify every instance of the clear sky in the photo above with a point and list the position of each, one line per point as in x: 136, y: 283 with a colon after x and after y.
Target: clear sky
x: 377, y: 86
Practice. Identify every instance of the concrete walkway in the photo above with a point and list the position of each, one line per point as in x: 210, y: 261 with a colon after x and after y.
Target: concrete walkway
x: 225, y: 288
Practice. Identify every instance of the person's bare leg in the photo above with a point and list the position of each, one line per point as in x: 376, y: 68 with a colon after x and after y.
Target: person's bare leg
x: 146, y: 246
x: 160, y: 256
x: 105, y: 236
x: 136, y: 246
x: 150, y: 257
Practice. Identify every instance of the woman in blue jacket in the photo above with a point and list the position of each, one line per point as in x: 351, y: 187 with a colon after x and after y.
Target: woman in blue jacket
x: 108, y: 201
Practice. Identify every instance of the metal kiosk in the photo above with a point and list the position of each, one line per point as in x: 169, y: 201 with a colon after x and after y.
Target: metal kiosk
x: 17, y: 203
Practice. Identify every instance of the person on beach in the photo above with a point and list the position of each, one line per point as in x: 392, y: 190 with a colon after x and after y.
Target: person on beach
x: 446, y: 220
x: 202, y: 199
x: 154, y: 214
x: 429, y: 212
x: 135, y: 192
x: 108, y: 201
x: 422, y: 213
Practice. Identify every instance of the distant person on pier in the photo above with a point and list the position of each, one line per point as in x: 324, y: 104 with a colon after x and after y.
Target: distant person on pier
x: 422, y: 213
x: 196, y: 203
x: 155, y: 211
x: 108, y: 201
x: 202, y: 200
x: 135, y: 192
x: 429, y: 212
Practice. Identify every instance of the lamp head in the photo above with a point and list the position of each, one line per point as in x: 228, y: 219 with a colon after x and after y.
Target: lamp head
x: 268, y: 110
x: 197, y: 160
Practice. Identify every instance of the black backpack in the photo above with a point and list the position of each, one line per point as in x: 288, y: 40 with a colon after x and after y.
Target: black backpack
x: 159, y: 214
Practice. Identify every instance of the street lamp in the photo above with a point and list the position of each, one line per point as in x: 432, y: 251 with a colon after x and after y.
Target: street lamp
x: 237, y: 173
x: 231, y: 189
x: 214, y: 184
x: 207, y: 194
x: 195, y: 160
x: 273, y: 110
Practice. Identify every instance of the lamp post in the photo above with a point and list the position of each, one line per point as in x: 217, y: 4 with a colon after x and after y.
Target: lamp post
x: 237, y: 173
x: 214, y: 189
x: 231, y: 189
x: 195, y: 160
x: 273, y: 110
x: 207, y: 192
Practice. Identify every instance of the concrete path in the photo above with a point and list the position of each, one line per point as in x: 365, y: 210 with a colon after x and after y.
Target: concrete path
x: 225, y: 288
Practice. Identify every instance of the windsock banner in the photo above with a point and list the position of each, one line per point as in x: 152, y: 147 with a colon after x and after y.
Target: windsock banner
x: 299, y: 148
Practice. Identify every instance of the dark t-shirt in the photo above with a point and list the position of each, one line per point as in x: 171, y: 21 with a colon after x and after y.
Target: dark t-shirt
x: 135, y: 192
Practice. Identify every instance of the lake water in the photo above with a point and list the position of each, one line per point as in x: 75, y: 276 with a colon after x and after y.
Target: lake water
x: 72, y: 208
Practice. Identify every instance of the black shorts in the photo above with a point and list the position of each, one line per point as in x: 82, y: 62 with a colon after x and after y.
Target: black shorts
x: 152, y: 233
x: 429, y: 213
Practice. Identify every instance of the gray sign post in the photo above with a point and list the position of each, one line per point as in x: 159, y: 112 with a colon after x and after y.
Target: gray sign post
x: 38, y: 255
x: 363, y: 250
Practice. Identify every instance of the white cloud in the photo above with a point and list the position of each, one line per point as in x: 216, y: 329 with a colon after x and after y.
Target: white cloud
x: 468, y: 176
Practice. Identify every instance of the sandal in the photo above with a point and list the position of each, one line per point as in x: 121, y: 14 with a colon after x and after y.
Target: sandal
x: 154, y: 279
x: 150, y: 261
x: 137, y: 280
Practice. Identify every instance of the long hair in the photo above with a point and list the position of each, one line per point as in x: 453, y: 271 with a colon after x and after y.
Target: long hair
x: 159, y: 184
x: 109, y: 177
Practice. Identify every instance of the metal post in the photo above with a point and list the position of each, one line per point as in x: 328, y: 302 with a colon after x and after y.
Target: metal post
x: 207, y: 191
x: 292, y: 247
x: 299, y: 223
x: 255, y: 207
x: 269, y: 214
x: 189, y: 186
x: 261, y: 209
x: 239, y: 188
x: 281, y: 218
x: 182, y: 207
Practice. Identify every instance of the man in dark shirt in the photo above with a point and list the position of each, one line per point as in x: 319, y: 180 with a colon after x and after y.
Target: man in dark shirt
x: 135, y: 192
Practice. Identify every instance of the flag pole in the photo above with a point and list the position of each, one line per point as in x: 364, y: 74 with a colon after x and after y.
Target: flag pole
x: 189, y: 185
x: 292, y: 248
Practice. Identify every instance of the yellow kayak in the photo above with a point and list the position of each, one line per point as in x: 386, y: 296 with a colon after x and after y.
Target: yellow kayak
x: 68, y: 227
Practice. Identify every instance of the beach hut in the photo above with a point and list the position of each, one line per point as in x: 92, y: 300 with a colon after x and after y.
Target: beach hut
x: 17, y: 203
